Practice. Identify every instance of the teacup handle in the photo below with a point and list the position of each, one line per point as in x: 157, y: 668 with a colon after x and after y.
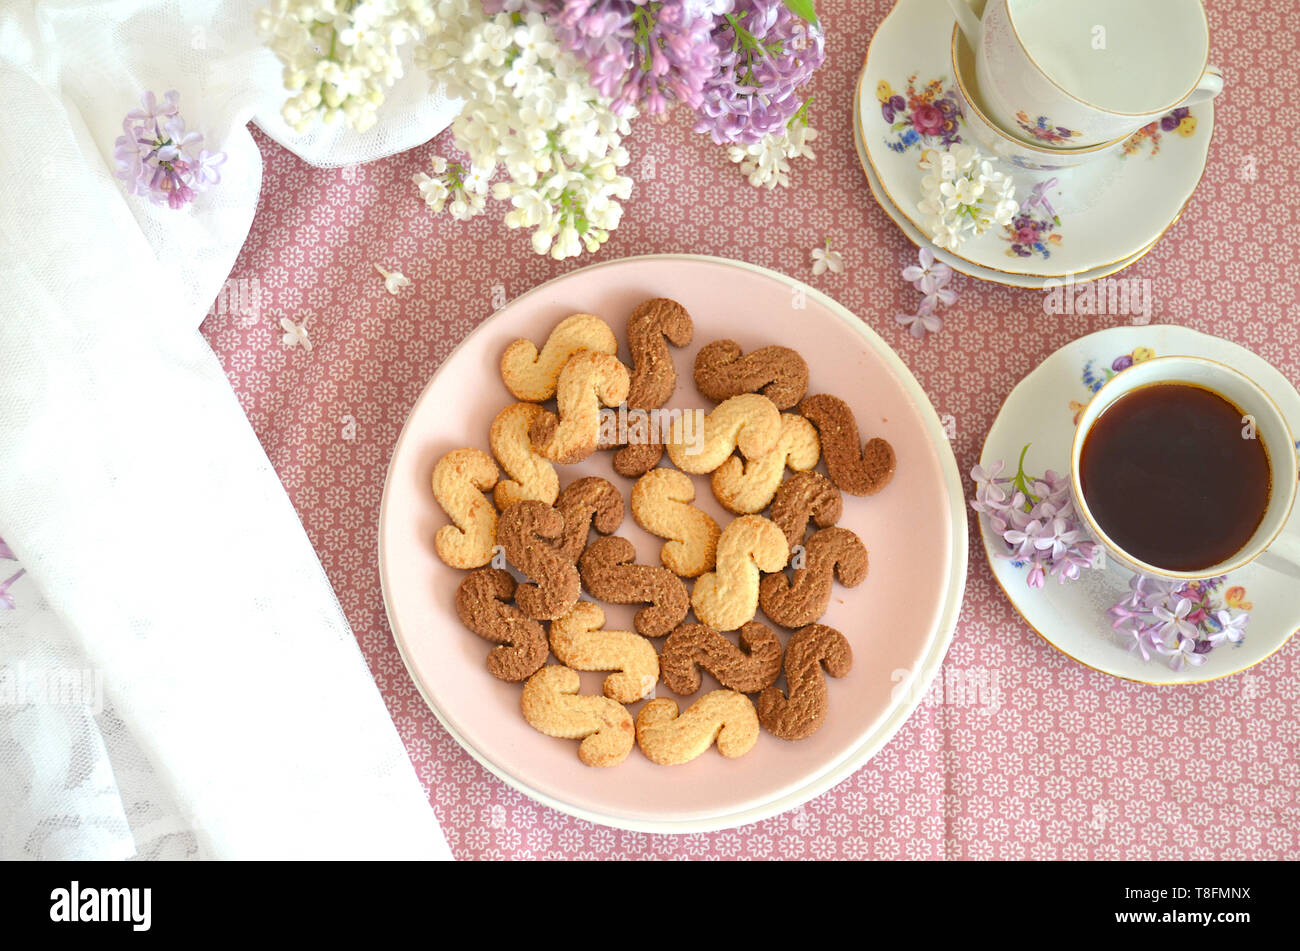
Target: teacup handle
x: 1283, y: 555
x: 967, y: 20
x: 1211, y: 85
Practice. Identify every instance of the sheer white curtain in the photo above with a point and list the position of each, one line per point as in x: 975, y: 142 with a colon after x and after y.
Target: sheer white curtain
x: 178, y: 679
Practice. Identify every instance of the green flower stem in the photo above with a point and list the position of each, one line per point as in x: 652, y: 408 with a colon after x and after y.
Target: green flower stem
x: 1021, y: 482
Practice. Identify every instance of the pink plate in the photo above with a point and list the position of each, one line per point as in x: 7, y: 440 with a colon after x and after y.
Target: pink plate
x: 899, y: 620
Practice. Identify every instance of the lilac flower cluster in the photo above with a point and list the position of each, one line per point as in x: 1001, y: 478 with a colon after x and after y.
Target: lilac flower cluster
x: 645, y: 54
x: 158, y: 157
x: 1036, y: 519
x: 1179, y: 620
x: 765, y: 53
x: 738, y: 63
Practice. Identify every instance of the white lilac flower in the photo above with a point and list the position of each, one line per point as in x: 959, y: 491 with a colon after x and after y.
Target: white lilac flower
x: 1232, y: 628
x: 295, y: 335
x: 459, y: 189
x: 824, y: 259
x: 963, y: 195
x: 338, y: 57
x: 530, y: 110
x: 766, y: 163
x: 394, y: 280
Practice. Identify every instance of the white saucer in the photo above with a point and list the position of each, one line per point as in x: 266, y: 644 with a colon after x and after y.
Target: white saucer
x: 914, y: 234
x: 1110, y: 210
x: 1073, y: 617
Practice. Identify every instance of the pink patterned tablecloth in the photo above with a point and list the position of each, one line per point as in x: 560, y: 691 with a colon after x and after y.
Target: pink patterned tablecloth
x: 1070, y: 763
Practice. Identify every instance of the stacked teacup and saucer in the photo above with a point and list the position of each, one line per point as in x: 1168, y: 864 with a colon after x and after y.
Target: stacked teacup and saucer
x: 1100, y: 112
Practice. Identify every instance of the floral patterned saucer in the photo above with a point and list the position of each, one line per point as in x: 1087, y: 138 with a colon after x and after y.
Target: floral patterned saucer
x: 1071, y: 221
x: 1246, y: 615
x: 962, y: 266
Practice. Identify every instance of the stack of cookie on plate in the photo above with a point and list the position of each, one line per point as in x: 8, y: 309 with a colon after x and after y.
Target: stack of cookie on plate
x: 760, y: 446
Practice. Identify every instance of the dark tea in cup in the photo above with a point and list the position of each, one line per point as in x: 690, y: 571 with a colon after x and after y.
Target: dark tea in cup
x: 1176, y: 476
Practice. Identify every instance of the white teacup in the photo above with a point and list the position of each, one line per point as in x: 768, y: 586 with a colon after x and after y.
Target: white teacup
x: 1269, y: 545
x: 1072, y: 74
x: 991, y: 136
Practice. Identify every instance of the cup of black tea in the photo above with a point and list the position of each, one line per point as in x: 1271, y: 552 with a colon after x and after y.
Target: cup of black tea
x: 1183, y: 468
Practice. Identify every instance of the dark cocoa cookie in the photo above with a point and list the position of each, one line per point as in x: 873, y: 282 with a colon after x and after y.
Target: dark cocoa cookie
x: 610, y: 573
x: 529, y: 532
x: 779, y: 373
x: 587, y: 503
x: 653, y: 325
x: 755, y: 664
x: 635, y: 461
x: 830, y: 552
x: 802, y: 497
x: 857, y: 471
x: 801, y: 710
x: 483, y: 603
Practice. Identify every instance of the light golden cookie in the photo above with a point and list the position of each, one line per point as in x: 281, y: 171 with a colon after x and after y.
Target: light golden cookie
x: 531, y: 474
x: 728, y: 597
x: 749, y: 422
x: 720, y: 715
x: 661, y: 504
x: 532, y: 376
x: 579, y: 642
x: 588, y: 381
x: 749, y: 486
x: 459, y: 480
x: 551, y: 705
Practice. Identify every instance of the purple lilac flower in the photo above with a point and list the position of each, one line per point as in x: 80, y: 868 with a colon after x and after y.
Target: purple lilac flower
x: 161, y: 159
x: 6, y: 552
x: 764, y: 54
x: 642, y: 53
x: 1177, y: 620
x: 930, y: 276
x: 924, y: 321
x: 1036, y: 519
x: 7, y: 599
x: 1181, y: 653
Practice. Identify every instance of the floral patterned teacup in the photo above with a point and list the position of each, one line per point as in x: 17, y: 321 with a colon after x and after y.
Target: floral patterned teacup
x: 1268, y: 546
x: 1034, y: 156
x: 1064, y: 74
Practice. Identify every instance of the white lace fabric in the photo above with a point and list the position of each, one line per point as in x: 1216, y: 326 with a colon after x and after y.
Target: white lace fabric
x: 223, y: 709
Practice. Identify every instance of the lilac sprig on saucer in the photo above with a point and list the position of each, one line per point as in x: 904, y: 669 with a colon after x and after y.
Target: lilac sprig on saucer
x: 1180, y: 620
x: 1036, y: 519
